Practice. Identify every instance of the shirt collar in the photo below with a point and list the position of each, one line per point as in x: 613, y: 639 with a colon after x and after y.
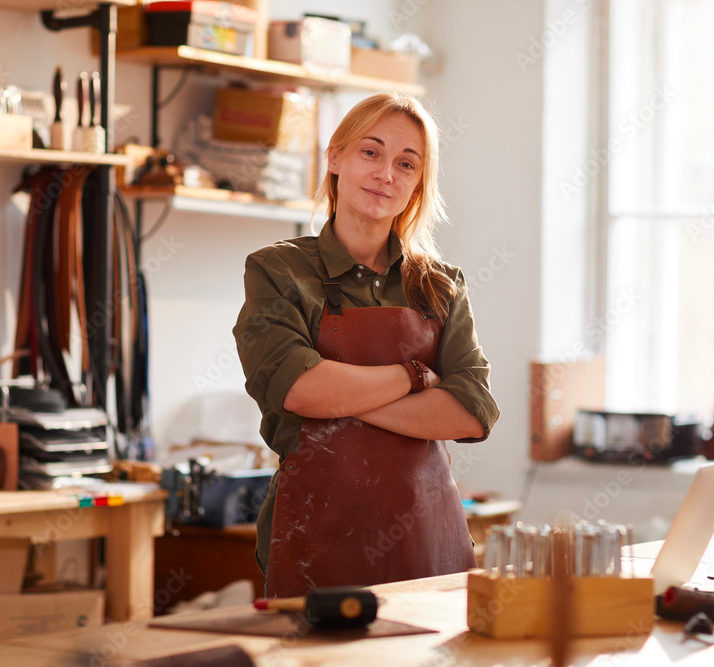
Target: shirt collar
x: 336, y: 258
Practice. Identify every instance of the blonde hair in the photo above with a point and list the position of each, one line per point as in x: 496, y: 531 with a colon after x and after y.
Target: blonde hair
x: 428, y: 289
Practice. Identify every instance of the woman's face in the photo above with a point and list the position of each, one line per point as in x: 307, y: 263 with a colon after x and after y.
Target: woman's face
x: 378, y: 173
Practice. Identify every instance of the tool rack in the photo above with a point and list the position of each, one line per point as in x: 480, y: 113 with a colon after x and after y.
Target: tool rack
x: 103, y: 18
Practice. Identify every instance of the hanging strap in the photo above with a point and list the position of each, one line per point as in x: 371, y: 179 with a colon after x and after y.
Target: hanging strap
x: 333, y: 295
x: 26, y: 332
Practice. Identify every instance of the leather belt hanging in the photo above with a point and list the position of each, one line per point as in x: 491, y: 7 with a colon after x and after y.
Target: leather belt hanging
x: 57, y: 294
x: 25, y: 330
x: 69, y: 276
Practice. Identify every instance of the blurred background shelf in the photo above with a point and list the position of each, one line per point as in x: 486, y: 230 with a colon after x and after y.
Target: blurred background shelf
x: 47, y: 156
x: 225, y: 202
x: 258, y: 68
x: 39, y: 5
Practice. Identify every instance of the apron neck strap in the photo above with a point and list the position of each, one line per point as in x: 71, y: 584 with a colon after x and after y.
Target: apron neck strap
x: 333, y: 295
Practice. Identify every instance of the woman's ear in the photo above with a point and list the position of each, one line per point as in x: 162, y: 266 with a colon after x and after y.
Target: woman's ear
x: 332, y: 163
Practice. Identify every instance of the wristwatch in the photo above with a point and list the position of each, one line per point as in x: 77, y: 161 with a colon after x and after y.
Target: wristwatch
x: 419, y: 374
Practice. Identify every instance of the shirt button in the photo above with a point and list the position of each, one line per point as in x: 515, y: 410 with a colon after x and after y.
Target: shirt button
x: 359, y: 275
x: 360, y: 266
x: 376, y: 283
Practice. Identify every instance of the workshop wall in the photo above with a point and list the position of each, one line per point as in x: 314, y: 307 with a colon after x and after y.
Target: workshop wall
x: 491, y: 112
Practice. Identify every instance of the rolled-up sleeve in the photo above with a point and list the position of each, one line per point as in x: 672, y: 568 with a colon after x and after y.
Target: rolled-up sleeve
x: 463, y: 368
x: 273, y: 339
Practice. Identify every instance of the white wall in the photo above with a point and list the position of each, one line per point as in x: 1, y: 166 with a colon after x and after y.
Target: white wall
x: 491, y: 112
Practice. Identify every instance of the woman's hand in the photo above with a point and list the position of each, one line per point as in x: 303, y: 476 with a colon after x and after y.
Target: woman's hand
x: 429, y: 415
x: 433, y: 379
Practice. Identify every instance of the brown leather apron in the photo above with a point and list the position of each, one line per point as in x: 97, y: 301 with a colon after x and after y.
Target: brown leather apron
x: 357, y: 504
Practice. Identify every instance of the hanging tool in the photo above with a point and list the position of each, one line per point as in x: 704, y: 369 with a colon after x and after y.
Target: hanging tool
x: 58, y: 139
x: 78, y: 140
x: 95, y: 137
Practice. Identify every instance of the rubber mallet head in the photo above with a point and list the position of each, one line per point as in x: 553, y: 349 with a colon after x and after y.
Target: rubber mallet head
x: 340, y: 607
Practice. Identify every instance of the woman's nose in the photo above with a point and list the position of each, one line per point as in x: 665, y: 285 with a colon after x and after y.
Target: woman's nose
x: 384, y: 172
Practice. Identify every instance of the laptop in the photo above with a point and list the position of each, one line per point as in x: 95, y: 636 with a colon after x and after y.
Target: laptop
x: 688, y: 536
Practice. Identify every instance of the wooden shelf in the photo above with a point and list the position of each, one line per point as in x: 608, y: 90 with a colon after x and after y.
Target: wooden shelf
x: 59, y: 5
x: 226, y: 202
x: 47, y: 156
x: 271, y: 70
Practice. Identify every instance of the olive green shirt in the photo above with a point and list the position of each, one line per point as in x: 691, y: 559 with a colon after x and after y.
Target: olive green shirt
x: 277, y: 328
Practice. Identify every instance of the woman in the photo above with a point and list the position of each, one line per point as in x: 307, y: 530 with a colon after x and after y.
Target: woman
x: 359, y: 347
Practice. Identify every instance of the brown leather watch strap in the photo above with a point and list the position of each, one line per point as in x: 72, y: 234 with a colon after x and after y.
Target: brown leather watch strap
x: 419, y: 374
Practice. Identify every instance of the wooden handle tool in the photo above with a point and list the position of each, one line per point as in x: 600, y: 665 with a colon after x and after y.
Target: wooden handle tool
x: 331, y: 608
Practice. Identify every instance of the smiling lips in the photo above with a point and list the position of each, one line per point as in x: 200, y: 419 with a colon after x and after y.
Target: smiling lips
x: 378, y: 193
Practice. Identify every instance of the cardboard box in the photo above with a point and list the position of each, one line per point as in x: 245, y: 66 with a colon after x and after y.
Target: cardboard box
x: 13, y: 557
x: 390, y: 65
x: 557, y: 390
x: 39, y: 613
x: 132, y: 31
x: 315, y: 43
x: 286, y: 121
x: 9, y: 453
x: 15, y: 132
x: 219, y: 38
x: 219, y: 26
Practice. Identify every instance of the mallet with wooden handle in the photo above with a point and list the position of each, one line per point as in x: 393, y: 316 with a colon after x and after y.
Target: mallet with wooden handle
x: 340, y: 607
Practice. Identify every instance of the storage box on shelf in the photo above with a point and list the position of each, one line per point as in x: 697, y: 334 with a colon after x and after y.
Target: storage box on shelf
x: 385, y: 65
x: 221, y: 26
x: 233, y: 26
x: 286, y: 121
x: 333, y: 50
x: 314, y: 43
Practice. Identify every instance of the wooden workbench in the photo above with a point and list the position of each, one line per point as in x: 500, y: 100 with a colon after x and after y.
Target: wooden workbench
x: 51, y: 516
x: 438, y: 603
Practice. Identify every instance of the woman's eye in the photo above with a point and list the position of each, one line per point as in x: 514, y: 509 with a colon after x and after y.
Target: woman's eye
x: 407, y: 165
x: 369, y: 152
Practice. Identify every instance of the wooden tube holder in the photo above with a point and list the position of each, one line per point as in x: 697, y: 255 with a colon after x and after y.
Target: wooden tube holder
x: 507, y: 607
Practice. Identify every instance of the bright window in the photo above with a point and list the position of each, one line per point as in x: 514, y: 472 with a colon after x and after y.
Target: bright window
x: 660, y: 259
